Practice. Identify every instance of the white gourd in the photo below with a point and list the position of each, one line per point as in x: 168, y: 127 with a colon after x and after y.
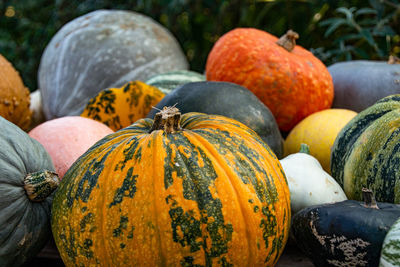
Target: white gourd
x: 308, y: 183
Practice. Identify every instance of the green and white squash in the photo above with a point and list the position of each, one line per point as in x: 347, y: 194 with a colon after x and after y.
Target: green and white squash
x: 366, y: 152
x: 390, y: 253
x: 308, y: 183
x: 103, y: 49
x: 168, y: 81
x: 27, y: 180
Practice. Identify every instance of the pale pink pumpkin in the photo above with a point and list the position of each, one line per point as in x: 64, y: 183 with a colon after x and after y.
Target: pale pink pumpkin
x: 67, y: 138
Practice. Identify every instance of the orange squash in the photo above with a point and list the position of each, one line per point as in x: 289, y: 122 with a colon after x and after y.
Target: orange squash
x: 287, y: 78
x: 14, y: 96
x: 190, y: 190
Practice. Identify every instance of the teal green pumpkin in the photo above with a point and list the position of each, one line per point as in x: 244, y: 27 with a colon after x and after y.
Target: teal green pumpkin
x: 366, y: 153
x: 27, y: 180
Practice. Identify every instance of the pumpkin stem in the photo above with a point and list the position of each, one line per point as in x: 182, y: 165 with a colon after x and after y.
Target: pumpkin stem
x: 168, y: 119
x: 393, y: 60
x: 369, y: 199
x: 304, y: 148
x: 288, y: 40
x: 40, y: 185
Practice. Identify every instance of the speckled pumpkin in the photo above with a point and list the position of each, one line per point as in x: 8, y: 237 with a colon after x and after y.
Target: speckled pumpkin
x: 190, y: 190
x: 366, y: 152
x: 14, y: 96
x: 287, y: 78
x: 120, y: 107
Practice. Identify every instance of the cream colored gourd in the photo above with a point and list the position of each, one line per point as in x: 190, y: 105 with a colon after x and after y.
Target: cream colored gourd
x: 308, y: 183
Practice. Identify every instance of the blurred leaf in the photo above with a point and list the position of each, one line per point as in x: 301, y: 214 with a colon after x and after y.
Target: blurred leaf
x: 335, y: 23
x: 367, y: 36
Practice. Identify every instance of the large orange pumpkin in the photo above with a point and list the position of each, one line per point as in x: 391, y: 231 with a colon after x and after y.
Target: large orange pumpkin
x: 287, y: 78
x: 14, y: 96
x: 196, y: 190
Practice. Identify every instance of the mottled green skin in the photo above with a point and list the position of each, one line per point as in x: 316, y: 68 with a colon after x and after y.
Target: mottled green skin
x: 25, y: 225
x: 211, y: 232
x: 366, y: 152
x: 390, y: 253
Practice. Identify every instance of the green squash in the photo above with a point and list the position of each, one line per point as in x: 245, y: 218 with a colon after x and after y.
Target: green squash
x: 366, y: 152
x: 27, y: 180
x: 230, y: 100
x: 168, y: 81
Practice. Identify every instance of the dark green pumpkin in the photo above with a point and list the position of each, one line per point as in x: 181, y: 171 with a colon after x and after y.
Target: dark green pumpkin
x: 230, y: 100
x: 366, y: 152
x: 359, y: 84
x: 346, y: 233
x: 27, y: 180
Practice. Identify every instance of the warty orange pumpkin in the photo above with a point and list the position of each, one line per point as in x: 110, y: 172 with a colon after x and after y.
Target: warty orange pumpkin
x: 196, y: 189
x: 14, y: 96
x: 287, y: 78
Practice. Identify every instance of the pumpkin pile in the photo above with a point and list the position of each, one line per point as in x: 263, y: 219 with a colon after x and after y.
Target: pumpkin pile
x: 131, y: 159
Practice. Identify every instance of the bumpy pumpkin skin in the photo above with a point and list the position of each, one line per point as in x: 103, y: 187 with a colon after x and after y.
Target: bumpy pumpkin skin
x: 25, y: 225
x: 291, y: 84
x: 14, y: 96
x: 366, y: 152
x: 120, y: 107
x: 210, y: 194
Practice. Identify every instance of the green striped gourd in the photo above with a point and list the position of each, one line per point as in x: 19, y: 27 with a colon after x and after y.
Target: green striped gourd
x: 366, y: 152
x: 168, y: 81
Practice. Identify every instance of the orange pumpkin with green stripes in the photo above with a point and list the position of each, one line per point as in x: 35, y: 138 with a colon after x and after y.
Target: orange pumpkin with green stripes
x: 190, y: 190
x: 120, y: 107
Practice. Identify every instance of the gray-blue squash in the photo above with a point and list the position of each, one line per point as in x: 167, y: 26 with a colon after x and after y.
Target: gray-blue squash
x: 359, y: 84
x: 103, y: 49
x: 27, y: 180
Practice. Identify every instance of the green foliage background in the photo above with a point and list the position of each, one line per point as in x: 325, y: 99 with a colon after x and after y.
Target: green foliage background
x: 334, y: 30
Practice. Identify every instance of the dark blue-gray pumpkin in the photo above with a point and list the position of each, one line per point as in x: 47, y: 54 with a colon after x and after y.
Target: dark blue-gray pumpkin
x: 190, y: 190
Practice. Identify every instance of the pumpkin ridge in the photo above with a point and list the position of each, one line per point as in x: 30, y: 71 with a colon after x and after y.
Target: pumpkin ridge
x: 155, y: 146
x: 216, y: 159
x: 256, y: 184
x: 218, y: 231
